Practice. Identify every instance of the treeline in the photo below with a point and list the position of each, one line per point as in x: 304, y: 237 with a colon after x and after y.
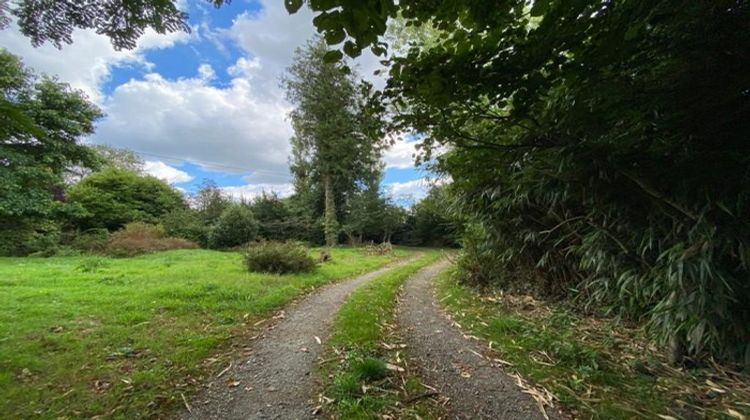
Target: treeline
x: 59, y: 196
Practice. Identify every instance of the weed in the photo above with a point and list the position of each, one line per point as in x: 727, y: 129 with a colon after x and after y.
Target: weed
x: 369, y: 369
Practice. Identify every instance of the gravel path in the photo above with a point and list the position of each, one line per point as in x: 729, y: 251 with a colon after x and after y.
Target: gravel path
x: 276, y: 382
x: 446, y: 360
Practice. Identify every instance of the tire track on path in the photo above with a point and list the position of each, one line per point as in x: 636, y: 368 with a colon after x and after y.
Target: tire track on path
x: 475, y: 388
x: 276, y: 381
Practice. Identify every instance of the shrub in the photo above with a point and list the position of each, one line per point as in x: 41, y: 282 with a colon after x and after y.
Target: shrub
x: 141, y: 238
x: 38, y: 238
x: 92, y: 240
x: 187, y: 224
x: 279, y: 258
x: 113, y: 197
x: 236, y: 226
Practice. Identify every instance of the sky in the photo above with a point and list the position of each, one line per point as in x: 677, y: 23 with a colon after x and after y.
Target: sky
x: 206, y: 104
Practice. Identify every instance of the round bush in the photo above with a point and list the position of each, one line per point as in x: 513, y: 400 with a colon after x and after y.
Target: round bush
x: 279, y: 258
x: 141, y: 238
x: 236, y: 226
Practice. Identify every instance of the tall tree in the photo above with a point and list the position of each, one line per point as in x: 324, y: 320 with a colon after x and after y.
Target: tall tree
x: 41, y: 124
x: 210, y: 201
x: 338, y: 138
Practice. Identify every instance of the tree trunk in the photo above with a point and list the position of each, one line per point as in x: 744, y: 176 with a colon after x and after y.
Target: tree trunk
x: 330, y: 226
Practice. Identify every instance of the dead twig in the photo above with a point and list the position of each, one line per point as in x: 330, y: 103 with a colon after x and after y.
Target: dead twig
x: 427, y: 394
x: 184, y: 400
x: 224, y: 371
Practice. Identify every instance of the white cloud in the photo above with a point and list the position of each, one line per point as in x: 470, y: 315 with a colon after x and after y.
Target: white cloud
x: 165, y: 172
x: 87, y: 63
x: 244, y: 67
x: 189, y: 119
x: 206, y: 72
x: 250, y: 191
x: 414, y: 190
x: 401, y: 154
x: 271, y: 35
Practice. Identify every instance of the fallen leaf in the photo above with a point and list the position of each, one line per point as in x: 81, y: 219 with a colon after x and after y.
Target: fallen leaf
x: 233, y: 384
x: 735, y: 414
x: 393, y: 367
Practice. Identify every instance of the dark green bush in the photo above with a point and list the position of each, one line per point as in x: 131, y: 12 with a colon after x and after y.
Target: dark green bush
x: 236, y: 226
x: 187, y: 224
x: 141, y: 238
x: 92, y: 240
x: 39, y: 238
x: 113, y: 197
x: 279, y: 258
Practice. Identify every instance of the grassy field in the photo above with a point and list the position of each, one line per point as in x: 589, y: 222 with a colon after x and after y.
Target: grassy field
x: 359, y: 382
x: 88, y: 336
x: 595, y: 367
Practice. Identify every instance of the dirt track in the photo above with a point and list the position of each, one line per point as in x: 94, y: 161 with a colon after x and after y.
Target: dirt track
x: 276, y: 382
x: 475, y: 388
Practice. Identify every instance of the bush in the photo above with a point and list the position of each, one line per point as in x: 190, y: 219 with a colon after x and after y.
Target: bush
x: 236, y: 226
x: 38, y: 238
x: 187, y: 224
x: 113, y: 197
x: 141, y: 238
x: 279, y: 258
x: 92, y: 240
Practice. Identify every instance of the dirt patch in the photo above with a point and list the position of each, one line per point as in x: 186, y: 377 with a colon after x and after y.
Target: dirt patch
x: 470, y: 383
x: 276, y: 381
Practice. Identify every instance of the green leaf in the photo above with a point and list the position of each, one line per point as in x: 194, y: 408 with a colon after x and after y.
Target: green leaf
x: 335, y: 36
x: 540, y: 7
x: 333, y: 56
x: 351, y: 49
x: 292, y: 6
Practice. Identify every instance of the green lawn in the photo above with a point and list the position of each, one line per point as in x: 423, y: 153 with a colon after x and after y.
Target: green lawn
x: 362, y: 342
x: 86, y: 336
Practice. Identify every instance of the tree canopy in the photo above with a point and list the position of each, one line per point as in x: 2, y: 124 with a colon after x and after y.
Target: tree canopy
x: 114, y: 197
x: 123, y: 21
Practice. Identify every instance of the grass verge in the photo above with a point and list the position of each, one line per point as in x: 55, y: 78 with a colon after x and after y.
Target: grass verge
x: 93, y: 336
x: 363, y: 373
x: 596, y: 368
